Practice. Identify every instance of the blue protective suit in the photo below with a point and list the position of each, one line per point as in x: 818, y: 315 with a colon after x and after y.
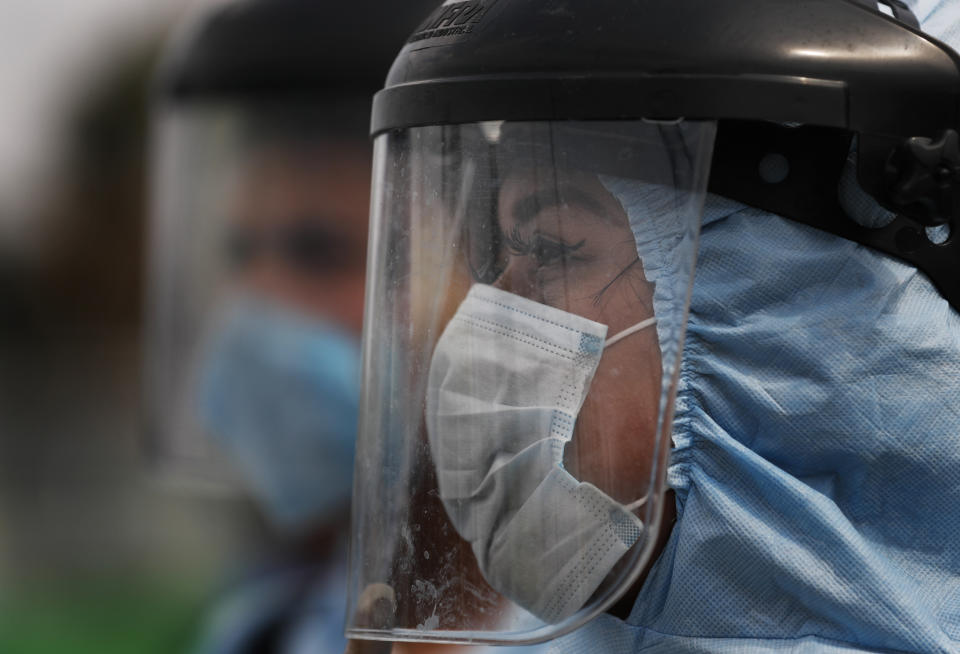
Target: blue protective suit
x: 816, y: 458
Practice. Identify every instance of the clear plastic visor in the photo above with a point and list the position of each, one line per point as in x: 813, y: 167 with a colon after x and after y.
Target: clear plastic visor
x: 526, y: 299
x: 255, y: 298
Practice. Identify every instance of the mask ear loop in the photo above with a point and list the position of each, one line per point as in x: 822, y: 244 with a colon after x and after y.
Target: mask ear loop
x: 629, y: 331
x: 633, y: 506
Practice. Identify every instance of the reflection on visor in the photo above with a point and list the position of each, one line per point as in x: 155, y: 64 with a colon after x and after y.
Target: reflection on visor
x: 512, y: 457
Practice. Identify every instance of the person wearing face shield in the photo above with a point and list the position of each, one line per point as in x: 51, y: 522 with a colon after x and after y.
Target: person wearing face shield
x: 661, y: 344
x: 258, y: 242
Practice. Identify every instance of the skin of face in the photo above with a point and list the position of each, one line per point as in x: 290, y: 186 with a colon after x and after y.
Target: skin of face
x: 329, y: 188
x: 279, y: 187
x: 569, y: 245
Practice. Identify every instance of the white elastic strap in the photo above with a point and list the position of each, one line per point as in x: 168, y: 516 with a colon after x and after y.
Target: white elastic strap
x: 629, y: 330
x: 633, y: 506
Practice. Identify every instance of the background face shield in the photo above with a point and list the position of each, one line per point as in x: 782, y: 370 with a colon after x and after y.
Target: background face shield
x: 257, y: 244
x: 525, y: 310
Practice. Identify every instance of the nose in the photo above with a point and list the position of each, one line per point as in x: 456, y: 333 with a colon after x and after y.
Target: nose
x: 517, y: 278
x: 264, y: 276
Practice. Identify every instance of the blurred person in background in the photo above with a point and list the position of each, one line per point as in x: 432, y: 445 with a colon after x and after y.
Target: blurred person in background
x: 257, y: 244
x: 94, y: 556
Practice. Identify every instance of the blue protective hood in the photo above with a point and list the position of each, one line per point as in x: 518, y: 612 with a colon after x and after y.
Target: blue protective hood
x: 816, y: 457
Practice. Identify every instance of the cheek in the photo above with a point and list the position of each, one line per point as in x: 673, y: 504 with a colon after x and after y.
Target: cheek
x: 613, y: 443
x: 338, y: 298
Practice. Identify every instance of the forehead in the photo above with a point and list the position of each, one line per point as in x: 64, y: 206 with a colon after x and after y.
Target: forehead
x: 542, y: 192
x: 328, y: 183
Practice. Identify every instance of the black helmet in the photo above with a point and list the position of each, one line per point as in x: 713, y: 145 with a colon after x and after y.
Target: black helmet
x: 240, y: 80
x: 837, y: 69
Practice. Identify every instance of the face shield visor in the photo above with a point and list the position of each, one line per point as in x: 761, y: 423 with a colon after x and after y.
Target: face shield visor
x: 526, y: 301
x: 257, y: 259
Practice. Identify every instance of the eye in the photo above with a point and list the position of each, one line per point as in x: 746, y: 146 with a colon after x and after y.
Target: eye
x: 242, y: 245
x: 543, y: 250
x: 548, y: 252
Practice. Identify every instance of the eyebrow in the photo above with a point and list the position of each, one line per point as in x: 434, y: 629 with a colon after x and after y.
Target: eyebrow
x: 525, y: 209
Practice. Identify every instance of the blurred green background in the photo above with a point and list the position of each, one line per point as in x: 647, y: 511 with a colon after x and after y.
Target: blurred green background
x: 97, y: 553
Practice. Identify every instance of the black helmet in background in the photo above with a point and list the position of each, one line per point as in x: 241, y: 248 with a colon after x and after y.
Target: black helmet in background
x: 258, y: 233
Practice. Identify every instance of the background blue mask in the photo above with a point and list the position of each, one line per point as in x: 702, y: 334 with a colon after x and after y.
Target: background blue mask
x: 279, y: 392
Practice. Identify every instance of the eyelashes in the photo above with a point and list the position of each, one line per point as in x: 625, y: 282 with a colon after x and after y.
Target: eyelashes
x: 544, y: 250
x: 516, y: 243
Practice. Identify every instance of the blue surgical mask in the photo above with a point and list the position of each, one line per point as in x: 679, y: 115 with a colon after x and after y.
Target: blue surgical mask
x: 279, y: 392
